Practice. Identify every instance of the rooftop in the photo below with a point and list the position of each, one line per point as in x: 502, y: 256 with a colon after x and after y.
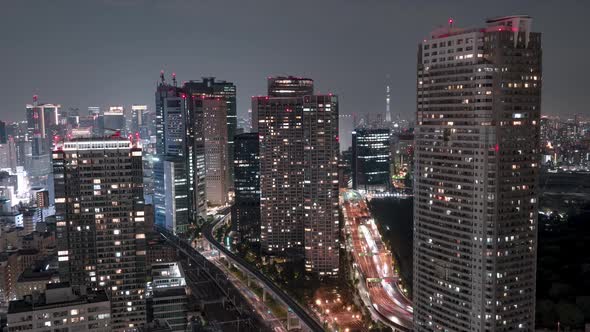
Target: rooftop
x: 46, y: 301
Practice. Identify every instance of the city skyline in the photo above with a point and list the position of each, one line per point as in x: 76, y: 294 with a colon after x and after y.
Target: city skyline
x: 336, y: 165
x: 124, y: 48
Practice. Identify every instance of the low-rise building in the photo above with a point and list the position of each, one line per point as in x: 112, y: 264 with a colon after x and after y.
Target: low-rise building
x: 12, y: 264
x: 158, y: 250
x: 35, y: 278
x: 168, y: 300
x: 61, y: 308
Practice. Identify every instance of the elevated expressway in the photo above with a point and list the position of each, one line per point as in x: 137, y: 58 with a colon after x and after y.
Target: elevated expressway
x: 306, y: 321
x: 373, y: 263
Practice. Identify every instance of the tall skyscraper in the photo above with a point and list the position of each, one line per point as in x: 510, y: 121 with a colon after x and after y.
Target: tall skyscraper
x: 371, y: 159
x: 8, y: 157
x: 216, y: 164
x: 298, y: 172
x: 210, y: 87
x: 100, y: 216
x: 476, y: 176
x: 246, y: 208
x: 41, y: 120
x: 3, y: 135
x: 173, y: 162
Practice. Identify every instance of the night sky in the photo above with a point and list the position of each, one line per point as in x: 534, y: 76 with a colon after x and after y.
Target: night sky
x: 100, y: 53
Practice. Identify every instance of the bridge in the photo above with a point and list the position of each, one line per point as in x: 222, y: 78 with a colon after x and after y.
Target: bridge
x: 305, y: 320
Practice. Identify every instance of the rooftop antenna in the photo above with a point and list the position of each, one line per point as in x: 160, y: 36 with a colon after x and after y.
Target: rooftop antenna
x: 162, y: 77
x: 450, y: 22
x: 174, y: 79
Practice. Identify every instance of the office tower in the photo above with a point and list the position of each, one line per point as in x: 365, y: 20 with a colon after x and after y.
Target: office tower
x: 195, y: 135
x: 476, y: 175
x: 114, y: 121
x: 173, y: 161
x: 96, y: 118
x: 61, y: 308
x: 3, y: 135
x: 140, y: 121
x: 402, y: 160
x: 8, y: 157
x: 167, y: 296
x: 41, y: 122
x: 137, y: 117
x: 345, y: 129
x: 24, y: 154
x: 298, y: 172
x: 99, y: 218
x: 370, y: 159
x: 210, y: 87
x: 216, y: 164
x: 246, y: 208
x: 345, y: 168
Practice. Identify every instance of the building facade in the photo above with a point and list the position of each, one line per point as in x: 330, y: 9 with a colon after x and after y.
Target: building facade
x: 216, y: 156
x: 476, y: 176
x: 402, y: 163
x: 371, y: 159
x: 168, y: 299
x: 42, y: 120
x: 61, y: 308
x: 173, y: 160
x: 246, y: 207
x: 226, y: 91
x: 114, y: 121
x: 100, y: 216
x: 298, y: 135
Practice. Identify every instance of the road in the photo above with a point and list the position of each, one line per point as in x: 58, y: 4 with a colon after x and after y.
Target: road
x: 263, y: 311
x: 373, y: 261
x: 299, y: 311
x: 200, y: 271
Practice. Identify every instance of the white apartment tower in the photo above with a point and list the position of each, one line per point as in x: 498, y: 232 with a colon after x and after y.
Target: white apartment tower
x: 476, y: 177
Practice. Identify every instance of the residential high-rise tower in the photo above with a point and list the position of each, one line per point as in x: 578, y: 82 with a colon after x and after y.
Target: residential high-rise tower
x: 100, y: 217
x: 215, y: 141
x: 476, y: 177
x: 298, y: 133
x: 42, y: 120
